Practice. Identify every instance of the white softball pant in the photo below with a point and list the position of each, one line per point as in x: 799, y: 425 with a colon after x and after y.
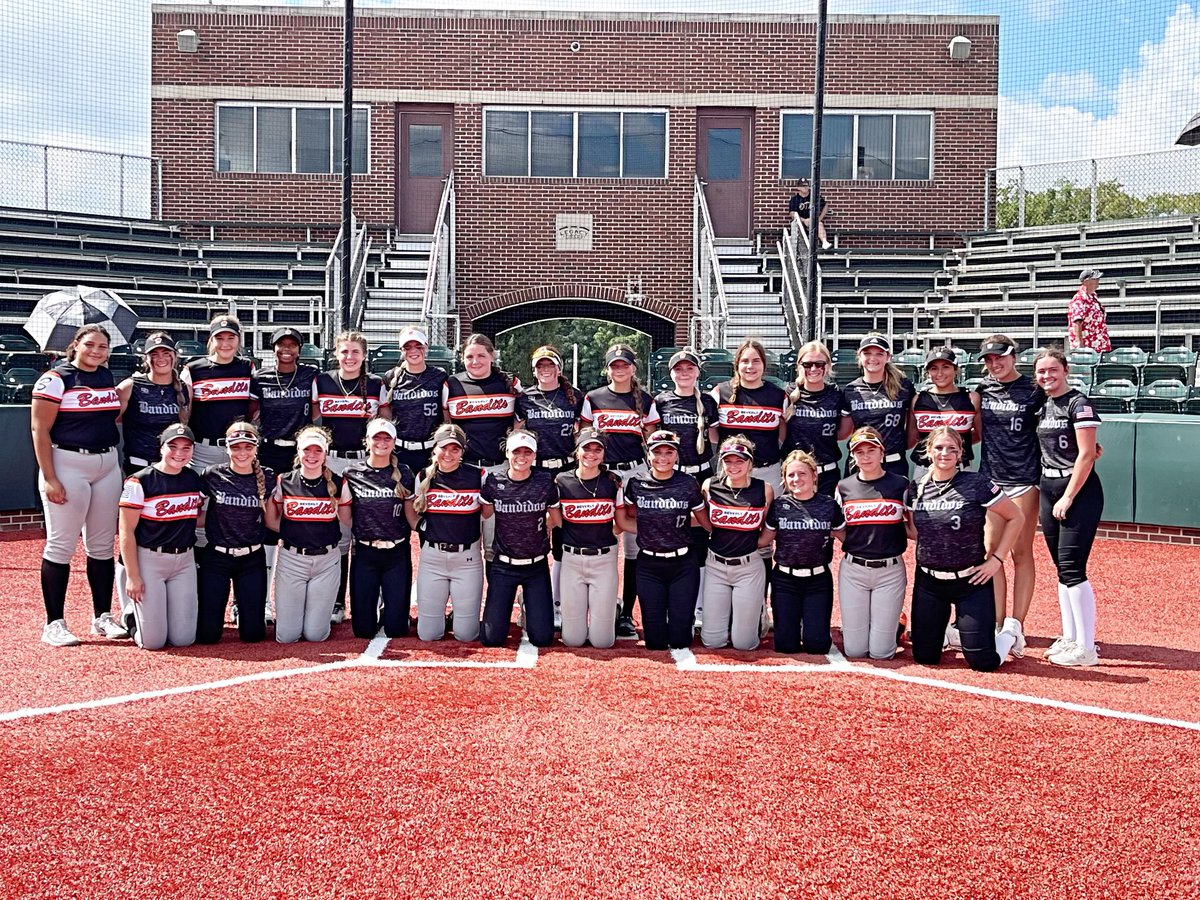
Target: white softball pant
x: 93, y: 484
x: 733, y: 602
x: 457, y: 577
x: 305, y: 588
x: 870, y: 601
x: 589, y: 599
x: 168, y: 610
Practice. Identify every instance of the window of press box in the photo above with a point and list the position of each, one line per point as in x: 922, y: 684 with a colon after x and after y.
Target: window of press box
x: 862, y: 146
x: 296, y: 139
x: 567, y: 143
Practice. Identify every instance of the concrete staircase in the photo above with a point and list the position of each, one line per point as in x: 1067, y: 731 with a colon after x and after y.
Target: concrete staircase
x: 394, y: 298
x: 753, y: 293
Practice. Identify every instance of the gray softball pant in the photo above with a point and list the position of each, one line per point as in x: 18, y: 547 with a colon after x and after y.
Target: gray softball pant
x: 629, y: 543
x: 589, y: 599
x: 203, y: 456
x: 93, y: 483
x: 457, y: 577
x: 773, y: 476
x: 305, y: 588
x: 168, y: 609
x: 338, y: 466
x: 870, y: 601
x: 733, y: 602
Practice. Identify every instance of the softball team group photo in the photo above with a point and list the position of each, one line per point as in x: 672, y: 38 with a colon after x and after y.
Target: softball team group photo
x: 295, y: 493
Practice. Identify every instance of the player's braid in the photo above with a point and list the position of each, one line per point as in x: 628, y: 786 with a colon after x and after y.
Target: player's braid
x: 734, y: 383
x: 260, y: 480
x: 637, y: 396
x: 180, y: 399
x: 701, y: 424
x: 329, y: 485
x: 401, y: 490
x: 567, y: 389
x: 420, y: 501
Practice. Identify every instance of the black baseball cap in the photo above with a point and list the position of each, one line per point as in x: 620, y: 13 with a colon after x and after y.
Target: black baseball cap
x: 663, y: 439
x: 157, y: 341
x: 285, y: 332
x: 684, y: 355
x: 589, y: 436
x: 941, y: 354
x: 222, y: 324
x: 875, y: 340
x: 996, y: 348
x: 173, y: 431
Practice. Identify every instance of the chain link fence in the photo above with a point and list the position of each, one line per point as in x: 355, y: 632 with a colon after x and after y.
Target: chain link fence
x: 1141, y: 186
x: 68, y: 179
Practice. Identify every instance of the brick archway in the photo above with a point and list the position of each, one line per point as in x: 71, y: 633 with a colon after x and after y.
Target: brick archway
x: 661, y: 328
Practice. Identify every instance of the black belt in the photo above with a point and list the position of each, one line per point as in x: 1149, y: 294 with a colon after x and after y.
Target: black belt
x: 873, y: 563
x: 175, y: 551
x: 734, y: 560
x: 86, y: 451
x: 588, y: 551
x: 666, y: 554
x: 624, y: 466
x: 483, y: 463
x: 307, y: 551
x: 446, y: 548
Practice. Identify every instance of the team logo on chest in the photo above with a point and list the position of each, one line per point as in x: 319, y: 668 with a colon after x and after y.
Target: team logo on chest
x: 309, y: 509
x: 756, y: 418
x: 482, y: 407
x: 85, y: 399
x: 623, y: 421
x: 346, y: 407
x: 442, y: 500
x: 588, y: 512
x: 736, y: 518
x: 928, y: 419
x: 172, y: 507
x: 873, y: 512
x: 221, y: 389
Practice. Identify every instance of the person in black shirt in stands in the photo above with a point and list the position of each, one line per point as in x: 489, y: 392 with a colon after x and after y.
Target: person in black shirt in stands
x: 800, y: 206
x: 521, y: 499
x: 379, y: 490
x: 235, y: 494
x: 949, y: 507
x: 661, y: 506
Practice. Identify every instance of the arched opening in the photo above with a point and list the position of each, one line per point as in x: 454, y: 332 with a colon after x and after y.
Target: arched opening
x: 581, y: 342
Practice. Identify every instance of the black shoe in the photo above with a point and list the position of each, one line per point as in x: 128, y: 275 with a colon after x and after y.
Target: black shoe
x: 625, y: 629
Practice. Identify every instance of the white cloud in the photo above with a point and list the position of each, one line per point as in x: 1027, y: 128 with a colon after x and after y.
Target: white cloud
x: 1071, y: 87
x: 1151, y: 103
x: 1045, y: 10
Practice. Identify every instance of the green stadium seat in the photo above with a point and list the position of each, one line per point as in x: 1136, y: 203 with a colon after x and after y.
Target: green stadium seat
x: 1184, y: 356
x: 384, y: 360
x: 716, y: 354
x: 1116, y: 387
x: 1110, y: 405
x: 719, y: 370
x: 1113, y: 371
x: 1152, y: 372
x: 1133, y: 356
x: 845, y: 356
x: 663, y: 354
x: 971, y: 371
x: 1027, y: 356
x: 913, y: 356
x: 1083, y: 356
x: 1079, y: 381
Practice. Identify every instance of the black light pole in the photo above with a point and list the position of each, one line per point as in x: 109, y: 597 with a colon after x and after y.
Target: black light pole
x: 347, y: 157
x: 814, y: 214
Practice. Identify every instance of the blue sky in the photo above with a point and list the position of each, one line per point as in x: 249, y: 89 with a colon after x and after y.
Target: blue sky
x: 1079, y: 78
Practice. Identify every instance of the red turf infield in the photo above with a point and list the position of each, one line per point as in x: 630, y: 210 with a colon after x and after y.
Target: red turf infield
x: 605, y: 774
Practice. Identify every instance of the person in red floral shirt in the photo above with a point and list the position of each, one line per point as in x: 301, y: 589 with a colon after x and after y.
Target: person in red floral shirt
x: 1088, y: 322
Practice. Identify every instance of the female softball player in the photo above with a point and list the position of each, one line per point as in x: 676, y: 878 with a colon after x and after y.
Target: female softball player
x: 482, y: 401
x: 591, y: 501
x: 661, y: 506
x: 949, y: 506
x: 220, y: 390
x: 159, y: 508
x: 549, y: 409
x: 944, y: 404
x: 451, y: 564
x: 1009, y: 404
x: 880, y: 398
x: 1072, y: 501
x: 691, y: 414
x: 151, y: 400
x: 750, y: 406
x: 813, y: 415
x: 74, y: 424
x: 803, y: 524
x: 734, y: 582
x: 282, y: 400
x: 379, y: 490
x: 415, y: 394
x: 872, y: 579
x: 307, y: 511
x: 521, y: 500
x: 624, y: 414
x: 235, y: 495
x: 344, y: 400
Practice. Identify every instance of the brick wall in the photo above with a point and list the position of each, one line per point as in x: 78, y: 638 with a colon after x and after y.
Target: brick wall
x: 505, y: 225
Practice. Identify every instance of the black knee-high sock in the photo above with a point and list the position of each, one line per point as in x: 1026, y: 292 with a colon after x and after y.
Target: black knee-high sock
x: 629, y: 587
x: 101, y: 573
x: 54, y: 588
x: 340, y: 603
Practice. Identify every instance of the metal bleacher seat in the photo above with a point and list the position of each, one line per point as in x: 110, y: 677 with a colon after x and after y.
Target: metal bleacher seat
x: 1116, y: 371
x: 1114, y: 396
x: 1161, y: 396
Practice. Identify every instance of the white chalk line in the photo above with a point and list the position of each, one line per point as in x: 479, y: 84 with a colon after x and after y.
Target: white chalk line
x: 837, y: 664
x: 526, y: 658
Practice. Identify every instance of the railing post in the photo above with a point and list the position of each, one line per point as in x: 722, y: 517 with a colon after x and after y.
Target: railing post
x: 987, y: 198
x: 121, y: 183
x: 45, y: 177
x: 1021, y: 197
x: 1095, y: 188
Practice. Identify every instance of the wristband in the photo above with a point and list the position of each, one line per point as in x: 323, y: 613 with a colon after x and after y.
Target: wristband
x: 997, y: 559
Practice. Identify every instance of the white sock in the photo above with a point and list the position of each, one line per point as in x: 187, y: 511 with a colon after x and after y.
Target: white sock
x: 1004, y: 644
x: 1064, y: 610
x: 1083, y: 611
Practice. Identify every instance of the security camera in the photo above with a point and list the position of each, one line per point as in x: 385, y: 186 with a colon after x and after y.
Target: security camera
x: 575, y: 46
x: 187, y: 41
x: 960, y: 47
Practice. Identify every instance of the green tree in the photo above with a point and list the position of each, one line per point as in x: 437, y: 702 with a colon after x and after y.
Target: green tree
x: 1066, y: 202
x: 593, y: 336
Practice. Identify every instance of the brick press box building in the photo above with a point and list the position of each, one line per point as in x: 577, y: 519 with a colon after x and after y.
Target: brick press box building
x: 575, y: 140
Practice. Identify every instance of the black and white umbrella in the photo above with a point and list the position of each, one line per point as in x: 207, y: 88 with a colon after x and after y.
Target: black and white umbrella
x: 59, y: 315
